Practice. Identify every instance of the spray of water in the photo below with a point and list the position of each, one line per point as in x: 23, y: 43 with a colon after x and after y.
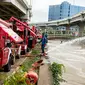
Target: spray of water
x: 70, y: 42
x: 72, y: 56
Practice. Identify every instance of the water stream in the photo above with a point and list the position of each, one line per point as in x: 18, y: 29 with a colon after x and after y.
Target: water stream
x: 72, y: 55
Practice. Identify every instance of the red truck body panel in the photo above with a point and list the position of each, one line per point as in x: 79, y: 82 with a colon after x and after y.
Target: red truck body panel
x: 5, y: 56
x: 10, y: 33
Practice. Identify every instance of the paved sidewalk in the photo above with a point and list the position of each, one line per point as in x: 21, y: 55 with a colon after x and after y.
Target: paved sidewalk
x: 45, y: 77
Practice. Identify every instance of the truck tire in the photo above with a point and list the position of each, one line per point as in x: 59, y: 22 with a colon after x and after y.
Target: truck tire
x: 12, y: 60
x: 25, y: 51
x: 17, y: 56
x: 7, y: 67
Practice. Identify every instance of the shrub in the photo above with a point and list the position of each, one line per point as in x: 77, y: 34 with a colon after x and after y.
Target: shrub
x: 57, y: 70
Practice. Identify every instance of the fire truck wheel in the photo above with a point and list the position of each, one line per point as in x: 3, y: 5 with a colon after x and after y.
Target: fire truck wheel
x: 12, y: 60
x: 25, y: 51
x: 17, y: 56
x: 7, y: 67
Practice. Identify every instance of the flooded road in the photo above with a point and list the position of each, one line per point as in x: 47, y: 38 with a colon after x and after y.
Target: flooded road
x: 72, y: 55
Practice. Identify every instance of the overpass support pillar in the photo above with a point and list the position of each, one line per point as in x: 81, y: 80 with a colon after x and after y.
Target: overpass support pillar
x: 81, y: 28
x: 68, y: 28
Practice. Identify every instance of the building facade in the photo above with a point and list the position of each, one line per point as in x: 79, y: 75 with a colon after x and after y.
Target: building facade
x: 63, y: 10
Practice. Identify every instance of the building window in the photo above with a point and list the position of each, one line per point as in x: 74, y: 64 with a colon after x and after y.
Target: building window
x: 60, y: 7
x: 60, y: 14
x: 69, y: 7
x: 60, y: 11
x: 68, y: 15
x: 68, y: 11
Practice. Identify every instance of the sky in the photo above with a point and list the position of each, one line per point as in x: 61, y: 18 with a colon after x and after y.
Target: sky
x: 40, y: 8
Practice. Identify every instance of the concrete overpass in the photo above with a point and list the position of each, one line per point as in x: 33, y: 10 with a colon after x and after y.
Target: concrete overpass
x: 17, y: 8
x: 78, y: 19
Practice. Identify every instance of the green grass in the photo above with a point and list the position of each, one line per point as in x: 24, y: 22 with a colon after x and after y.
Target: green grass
x: 14, y: 79
x: 35, y: 52
x: 27, y: 64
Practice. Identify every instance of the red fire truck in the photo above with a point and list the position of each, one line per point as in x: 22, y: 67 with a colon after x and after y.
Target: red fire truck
x: 7, y: 50
x: 14, y: 38
x: 25, y: 32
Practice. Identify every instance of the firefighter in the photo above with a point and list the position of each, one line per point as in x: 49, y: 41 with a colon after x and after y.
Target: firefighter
x: 43, y: 43
x: 46, y: 37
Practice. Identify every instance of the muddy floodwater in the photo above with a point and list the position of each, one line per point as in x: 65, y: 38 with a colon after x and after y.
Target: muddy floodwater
x: 72, y: 54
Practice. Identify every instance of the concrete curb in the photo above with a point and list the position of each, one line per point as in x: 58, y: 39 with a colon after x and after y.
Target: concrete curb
x: 45, y: 76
